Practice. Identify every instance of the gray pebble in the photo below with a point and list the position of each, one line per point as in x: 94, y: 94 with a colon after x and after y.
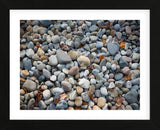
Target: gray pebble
x: 135, y: 81
x: 27, y: 63
x: 42, y: 105
x: 46, y: 94
x: 46, y: 73
x: 49, y: 83
x: 98, y: 93
x: 29, y: 85
x: 55, y: 39
x: 53, y: 60
x: 41, y: 66
x: 131, y: 96
x: 85, y: 96
x: 62, y: 105
x: 113, y: 48
x: 103, y: 91
x: 57, y: 91
x: 63, y: 57
x: 129, y: 84
x: 118, y: 76
x: 61, y: 77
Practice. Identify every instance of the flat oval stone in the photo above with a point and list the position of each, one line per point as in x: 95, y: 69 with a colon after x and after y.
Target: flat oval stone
x: 66, y: 86
x: 53, y: 60
x: 63, y: 57
x: 29, y: 85
x: 112, y: 48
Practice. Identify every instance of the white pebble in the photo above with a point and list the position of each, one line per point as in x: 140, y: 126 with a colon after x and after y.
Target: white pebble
x: 53, y: 78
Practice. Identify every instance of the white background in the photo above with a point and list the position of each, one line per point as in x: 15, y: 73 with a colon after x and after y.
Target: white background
x: 17, y: 15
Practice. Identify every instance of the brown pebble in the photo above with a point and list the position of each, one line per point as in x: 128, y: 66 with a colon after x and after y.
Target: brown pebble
x: 79, y: 89
x: 74, y: 70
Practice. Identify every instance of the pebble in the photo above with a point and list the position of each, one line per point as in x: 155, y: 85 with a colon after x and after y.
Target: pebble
x: 51, y: 106
x: 40, y: 52
x: 95, y: 71
x: 63, y: 57
x: 64, y: 70
x: 135, y: 106
x: 128, y: 29
x: 98, y: 93
x: 99, y: 44
x: 83, y: 61
x: 31, y: 104
x: 119, y: 35
x: 93, y: 38
x: 111, y: 85
x: 118, y: 76
x: 104, y: 91
x: 42, y: 30
x: 126, y: 70
x: 134, y: 66
x: 62, y: 105
x: 135, y: 81
x: 29, y: 53
x: 49, y: 84
x: 44, y: 87
x: 113, y: 48
x: 61, y: 77
x: 104, y: 68
x: 116, y: 27
x: 29, y: 85
x: 41, y: 66
x: 55, y: 39
x: 78, y: 101
x: 129, y: 84
x: 53, y: 78
x: 49, y: 101
x: 27, y: 63
x: 93, y: 28
x: 93, y: 81
x: 135, y: 74
x: 123, y: 63
x: 101, y: 102
x: 113, y: 67
x: 57, y: 91
x: 53, y: 60
x: 136, y: 57
x: 96, y: 108
x: 128, y: 107
x: 25, y: 73
x: 66, y: 86
x: 131, y: 96
x: 74, y: 70
x: 85, y: 96
x: 73, y: 54
x: 119, y: 84
x: 22, y: 92
x: 42, y: 105
x: 84, y: 83
x: 73, y: 95
x: 79, y: 89
x: 46, y: 94
x: 46, y: 73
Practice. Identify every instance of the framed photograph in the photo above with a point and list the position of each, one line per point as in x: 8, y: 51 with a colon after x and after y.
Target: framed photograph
x: 89, y: 64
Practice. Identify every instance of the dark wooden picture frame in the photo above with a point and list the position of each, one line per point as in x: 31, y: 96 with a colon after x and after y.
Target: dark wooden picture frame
x: 7, y: 124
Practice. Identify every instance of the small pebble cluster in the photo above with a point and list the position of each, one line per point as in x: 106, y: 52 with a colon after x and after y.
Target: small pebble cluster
x: 79, y: 65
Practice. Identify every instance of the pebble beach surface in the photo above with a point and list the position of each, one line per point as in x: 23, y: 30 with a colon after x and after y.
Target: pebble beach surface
x: 79, y: 65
